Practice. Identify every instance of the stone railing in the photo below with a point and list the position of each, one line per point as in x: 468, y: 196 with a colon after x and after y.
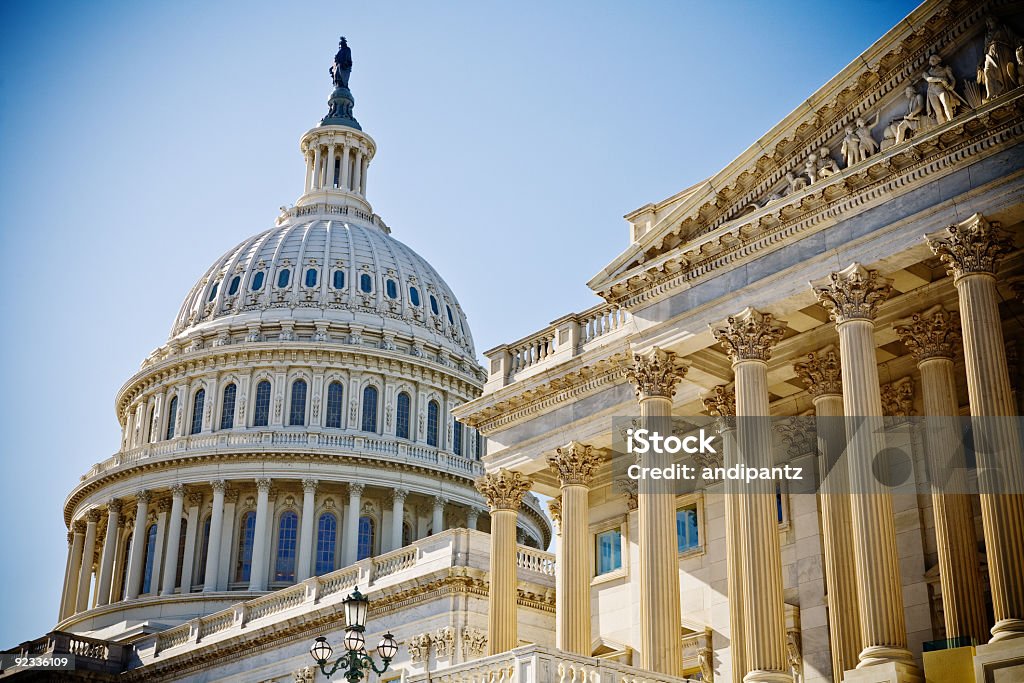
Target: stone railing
x: 535, y: 664
x: 535, y: 560
x: 89, y: 654
x: 564, y: 338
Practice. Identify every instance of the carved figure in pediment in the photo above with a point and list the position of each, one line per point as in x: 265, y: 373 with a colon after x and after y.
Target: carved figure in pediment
x: 998, y: 68
x: 868, y: 145
x: 796, y: 182
x: 942, y: 99
x: 811, y: 167
x: 851, y: 147
x: 912, y: 120
x: 827, y: 166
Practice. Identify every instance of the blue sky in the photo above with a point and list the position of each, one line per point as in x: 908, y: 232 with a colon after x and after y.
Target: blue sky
x: 138, y: 141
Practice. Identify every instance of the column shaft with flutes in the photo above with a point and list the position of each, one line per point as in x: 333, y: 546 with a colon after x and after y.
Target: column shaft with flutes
x: 260, y: 552
x: 74, y: 569
x: 351, y: 539
x: 109, y: 550
x: 304, y: 560
x: 88, y: 549
x: 170, y: 577
x: 138, y: 547
x: 213, y: 547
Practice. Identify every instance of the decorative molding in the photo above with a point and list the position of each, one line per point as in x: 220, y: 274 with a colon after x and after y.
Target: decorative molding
x: 971, y: 247
x: 474, y: 642
x: 852, y: 293
x: 898, y: 398
x: 629, y: 489
x: 933, y: 333
x: 444, y: 642
x: 655, y: 373
x: 503, y: 490
x: 821, y: 372
x: 749, y: 335
x: 721, y: 402
x: 575, y: 463
x: 419, y: 648
x: 555, y: 510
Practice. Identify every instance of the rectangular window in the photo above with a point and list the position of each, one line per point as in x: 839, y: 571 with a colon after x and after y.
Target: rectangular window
x: 609, y: 551
x: 687, y: 534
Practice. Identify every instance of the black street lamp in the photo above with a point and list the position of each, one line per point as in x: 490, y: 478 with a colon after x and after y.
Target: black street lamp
x: 355, y: 656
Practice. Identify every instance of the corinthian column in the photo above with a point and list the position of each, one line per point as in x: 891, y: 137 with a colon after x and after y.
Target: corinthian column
x: 504, y: 493
x: 173, y: 540
x: 575, y: 464
x: 305, y: 557
x: 971, y: 251
x: 931, y: 337
x: 74, y: 569
x: 138, y: 545
x: 109, y: 550
x: 655, y: 375
x: 821, y: 374
x: 213, y: 550
x: 85, y: 574
x: 748, y: 337
x: 852, y: 296
x: 260, y: 551
x: 351, y: 539
x: 722, y: 403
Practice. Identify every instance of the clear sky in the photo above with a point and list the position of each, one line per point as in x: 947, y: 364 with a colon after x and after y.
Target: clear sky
x: 140, y: 140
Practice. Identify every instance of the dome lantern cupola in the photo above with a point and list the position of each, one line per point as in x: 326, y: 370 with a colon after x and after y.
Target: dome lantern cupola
x: 337, y: 152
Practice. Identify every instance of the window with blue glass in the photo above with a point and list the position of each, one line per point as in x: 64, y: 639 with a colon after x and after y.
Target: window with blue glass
x: 287, y: 536
x: 609, y: 551
x: 213, y: 292
x: 780, y: 513
x: 457, y: 438
x: 311, y: 277
x: 257, y: 281
x: 433, y: 306
x: 282, y: 277
x: 233, y: 287
x: 366, y: 531
x: 246, y: 534
x: 402, y: 416
x: 261, y: 409
x: 204, y: 550
x: 433, y: 413
x: 326, y: 543
x: 297, y: 410
x: 149, y: 558
x: 172, y: 417
x: 451, y: 319
x: 414, y: 296
x: 391, y: 288
x: 480, y: 443
x: 181, y: 553
x: 197, y: 411
x: 126, y: 555
x: 334, y: 405
x: 370, y: 409
x: 366, y: 283
x: 339, y: 279
x: 227, y: 407
x: 687, y: 535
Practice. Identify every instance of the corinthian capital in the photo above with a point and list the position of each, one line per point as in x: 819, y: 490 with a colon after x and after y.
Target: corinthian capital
x: 930, y: 334
x: 503, y: 490
x: 655, y: 373
x: 575, y: 463
x: 749, y: 335
x: 971, y: 247
x: 555, y: 510
x: 821, y: 372
x: 852, y: 293
x: 721, y: 402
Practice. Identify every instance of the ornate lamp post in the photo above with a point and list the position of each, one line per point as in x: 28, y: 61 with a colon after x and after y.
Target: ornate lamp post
x: 355, y: 657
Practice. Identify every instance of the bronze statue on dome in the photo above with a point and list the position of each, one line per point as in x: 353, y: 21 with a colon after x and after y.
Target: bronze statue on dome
x: 342, y: 67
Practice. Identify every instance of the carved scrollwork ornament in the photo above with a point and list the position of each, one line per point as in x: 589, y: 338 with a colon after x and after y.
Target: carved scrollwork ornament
x: 655, y: 373
x: 575, y: 463
x: 555, y: 510
x: 721, y: 402
x: 503, y: 490
x: 853, y: 293
x: 821, y: 373
x: 971, y: 247
x: 930, y: 334
x: 749, y: 335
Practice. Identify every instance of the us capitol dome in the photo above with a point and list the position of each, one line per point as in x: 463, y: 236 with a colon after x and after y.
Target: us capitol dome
x: 296, y: 421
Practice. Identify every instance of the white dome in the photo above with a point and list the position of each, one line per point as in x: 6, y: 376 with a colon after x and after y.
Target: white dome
x: 319, y: 270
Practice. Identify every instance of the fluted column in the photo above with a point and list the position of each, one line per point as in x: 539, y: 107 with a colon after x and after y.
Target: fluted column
x: 345, y: 175
x: 397, y: 516
x: 852, y: 297
x: 309, y: 170
x: 120, y: 560
x: 260, y: 550
x: 109, y: 552
x: 74, y: 569
x: 67, y: 574
x: 655, y: 375
x: 213, y: 547
x: 329, y: 184
x: 351, y: 545
x: 192, y: 531
x: 748, y: 338
x: 362, y: 175
x: 722, y: 404
x: 575, y: 464
x: 822, y: 376
x: 971, y: 251
x: 357, y: 171
x: 472, y: 517
x: 304, y: 561
x: 932, y: 338
x: 317, y: 170
x: 92, y: 518
x: 170, y: 576
x: 135, y: 567
x: 437, y: 521
x: 504, y: 493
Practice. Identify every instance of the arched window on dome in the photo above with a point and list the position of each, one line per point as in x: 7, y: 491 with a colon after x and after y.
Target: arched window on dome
x: 246, y: 535
x: 339, y: 279
x: 227, y: 407
x: 204, y: 551
x: 414, y: 296
x: 311, y: 277
x: 297, y: 412
x: 257, y: 281
x: 213, y: 292
x: 334, y: 405
x: 287, y: 534
x: 149, y: 559
x: 261, y: 409
x: 366, y: 283
x: 181, y: 552
x: 366, y: 534
x: 391, y: 288
x: 283, y: 276
x: 153, y: 429
x: 433, y: 415
x: 126, y: 554
x: 402, y: 416
x: 172, y: 417
x: 197, y: 411
x: 326, y: 543
x: 370, y: 409
x: 233, y: 287
x: 457, y: 437
x: 433, y: 305
x: 451, y: 318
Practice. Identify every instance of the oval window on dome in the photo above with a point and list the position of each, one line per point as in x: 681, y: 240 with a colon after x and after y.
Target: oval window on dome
x: 339, y: 279
x: 213, y: 292
x: 366, y: 283
x: 433, y: 306
x: 282, y: 277
x: 414, y: 296
x: 233, y: 287
x: 451, y: 320
x: 311, y: 277
x: 257, y: 281
x: 391, y: 288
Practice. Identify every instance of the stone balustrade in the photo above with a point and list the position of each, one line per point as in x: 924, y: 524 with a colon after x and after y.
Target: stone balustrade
x: 535, y: 560
x: 90, y: 654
